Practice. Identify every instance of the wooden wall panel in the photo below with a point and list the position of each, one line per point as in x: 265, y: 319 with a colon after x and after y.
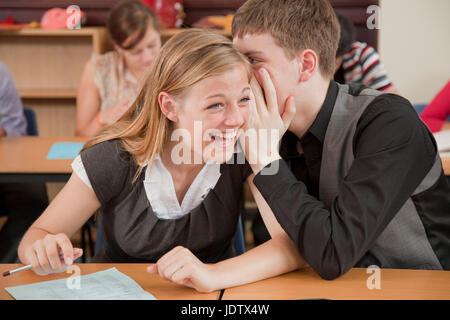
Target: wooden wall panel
x: 61, y: 60
x: 55, y: 117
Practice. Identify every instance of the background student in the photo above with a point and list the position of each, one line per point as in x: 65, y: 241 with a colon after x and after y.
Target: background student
x: 166, y: 192
x: 110, y: 82
x: 21, y: 203
x: 358, y: 62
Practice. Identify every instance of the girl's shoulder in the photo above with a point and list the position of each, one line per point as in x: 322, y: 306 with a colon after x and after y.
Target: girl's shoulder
x: 109, y: 168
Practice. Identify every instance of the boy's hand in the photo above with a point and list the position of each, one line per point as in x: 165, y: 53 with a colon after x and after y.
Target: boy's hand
x: 265, y: 127
x: 179, y: 265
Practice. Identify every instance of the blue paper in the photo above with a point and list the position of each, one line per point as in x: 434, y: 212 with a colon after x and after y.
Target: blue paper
x: 64, y: 150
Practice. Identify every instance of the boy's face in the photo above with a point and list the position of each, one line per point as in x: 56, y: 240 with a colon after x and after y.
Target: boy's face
x: 263, y: 52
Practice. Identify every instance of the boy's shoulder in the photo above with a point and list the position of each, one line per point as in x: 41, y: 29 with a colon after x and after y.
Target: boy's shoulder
x: 379, y: 97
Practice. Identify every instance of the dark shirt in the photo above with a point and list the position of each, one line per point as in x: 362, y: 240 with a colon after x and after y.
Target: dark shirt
x: 131, y: 230
x: 393, y: 152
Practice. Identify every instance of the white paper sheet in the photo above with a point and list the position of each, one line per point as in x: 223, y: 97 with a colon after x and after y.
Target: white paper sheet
x: 443, y: 140
x: 109, y: 284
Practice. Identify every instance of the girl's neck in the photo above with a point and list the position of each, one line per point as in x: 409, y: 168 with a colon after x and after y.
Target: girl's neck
x: 179, y: 168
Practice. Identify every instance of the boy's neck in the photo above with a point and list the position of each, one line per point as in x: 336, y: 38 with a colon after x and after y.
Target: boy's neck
x: 310, y: 99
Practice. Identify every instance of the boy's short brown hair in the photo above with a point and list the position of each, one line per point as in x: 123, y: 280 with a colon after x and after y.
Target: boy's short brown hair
x: 295, y: 25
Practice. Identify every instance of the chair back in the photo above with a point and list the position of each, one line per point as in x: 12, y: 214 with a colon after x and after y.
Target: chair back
x: 30, y: 116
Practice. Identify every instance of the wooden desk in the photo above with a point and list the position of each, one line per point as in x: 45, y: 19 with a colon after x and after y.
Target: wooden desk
x: 158, y: 287
x: 395, y: 285
x: 23, y: 159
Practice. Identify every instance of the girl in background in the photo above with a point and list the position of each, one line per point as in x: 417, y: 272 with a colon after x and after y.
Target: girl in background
x: 110, y: 82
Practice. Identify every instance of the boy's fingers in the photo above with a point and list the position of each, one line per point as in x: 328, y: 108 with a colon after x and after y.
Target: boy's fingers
x: 269, y: 90
x: 259, y: 97
x: 253, y: 112
x: 289, y: 111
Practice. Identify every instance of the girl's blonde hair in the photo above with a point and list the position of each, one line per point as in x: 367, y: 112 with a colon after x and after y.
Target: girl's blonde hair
x: 184, y: 60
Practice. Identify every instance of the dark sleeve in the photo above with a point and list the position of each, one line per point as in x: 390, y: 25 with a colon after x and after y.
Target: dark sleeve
x: 239, y: 160
x: 393, y: 153
x: 108, y: 169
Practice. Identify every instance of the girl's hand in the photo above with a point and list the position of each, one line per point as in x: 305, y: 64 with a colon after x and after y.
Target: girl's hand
x: 52, y: 254
x: 180, y: 265
x: 265, y: 126
x: 110, y: 115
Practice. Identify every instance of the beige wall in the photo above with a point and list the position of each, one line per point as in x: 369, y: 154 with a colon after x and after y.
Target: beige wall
x: 414, y: 44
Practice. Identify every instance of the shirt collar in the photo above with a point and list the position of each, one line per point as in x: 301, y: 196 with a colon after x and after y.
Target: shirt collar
x: 320, y: 124
x: 288, y: 147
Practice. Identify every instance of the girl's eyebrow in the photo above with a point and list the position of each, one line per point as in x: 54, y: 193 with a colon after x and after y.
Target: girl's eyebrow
x: 222, y: 95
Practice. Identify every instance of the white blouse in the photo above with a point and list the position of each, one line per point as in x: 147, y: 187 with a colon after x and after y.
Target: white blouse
x: 160, y: 191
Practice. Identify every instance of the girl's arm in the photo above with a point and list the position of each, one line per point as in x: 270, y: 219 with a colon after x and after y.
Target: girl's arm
x: 49, y: 236
x: 88, y: 104
x: 90, y: 119
x: 274, y: 257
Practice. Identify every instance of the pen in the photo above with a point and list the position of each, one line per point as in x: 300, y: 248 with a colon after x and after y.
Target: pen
x: 7, y: 273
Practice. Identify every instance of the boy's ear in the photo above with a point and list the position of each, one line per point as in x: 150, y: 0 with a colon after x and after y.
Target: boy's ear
x: 167, y: 105
x: 307, y: 64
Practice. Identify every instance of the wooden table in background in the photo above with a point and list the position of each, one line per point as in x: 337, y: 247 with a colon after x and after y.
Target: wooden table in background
x: 27, y: 156
x: 159, y: 288
x: 24, y: 159
x: 395, y: 284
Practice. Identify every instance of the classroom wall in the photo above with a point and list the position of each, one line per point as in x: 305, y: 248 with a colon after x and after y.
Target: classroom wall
x: 413, y: 42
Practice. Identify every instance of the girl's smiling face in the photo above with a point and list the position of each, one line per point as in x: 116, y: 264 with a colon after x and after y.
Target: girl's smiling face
x: 209, y: 116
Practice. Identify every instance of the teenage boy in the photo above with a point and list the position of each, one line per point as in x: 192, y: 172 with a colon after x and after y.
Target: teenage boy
x: 359, y: 180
